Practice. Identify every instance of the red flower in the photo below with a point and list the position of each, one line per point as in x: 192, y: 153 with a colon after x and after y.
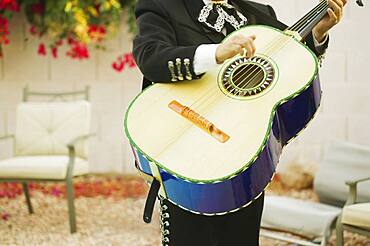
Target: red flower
x: 54, y: 52
x: 33, y: 30
x: 96, y: 32
x: 118, y: 66
x: 125, y: 59
x: 41, y: 51
x: 4, y: 31
x: 11, y: 5
x: 78, y: 50
x: 129, y: 59
x: 72, y: 41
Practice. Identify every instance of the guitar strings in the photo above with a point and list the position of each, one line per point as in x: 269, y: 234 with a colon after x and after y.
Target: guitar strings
x: 312, y: 13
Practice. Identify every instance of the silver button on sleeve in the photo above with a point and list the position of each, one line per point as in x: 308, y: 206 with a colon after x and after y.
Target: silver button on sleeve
x: 178, y: 65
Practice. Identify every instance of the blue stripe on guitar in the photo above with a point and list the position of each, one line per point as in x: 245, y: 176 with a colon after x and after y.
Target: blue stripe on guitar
x: 143, y: 162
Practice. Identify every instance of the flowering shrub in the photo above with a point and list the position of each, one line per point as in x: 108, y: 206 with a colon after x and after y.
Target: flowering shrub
x: 79, y: 24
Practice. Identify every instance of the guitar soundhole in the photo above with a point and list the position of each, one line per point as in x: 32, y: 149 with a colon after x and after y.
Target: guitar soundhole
x: 247, y: 77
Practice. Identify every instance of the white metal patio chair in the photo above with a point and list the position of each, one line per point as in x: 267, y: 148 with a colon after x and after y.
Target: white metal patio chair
x: 355, y: 215
x: 316, y: 221
x: 49, y: 143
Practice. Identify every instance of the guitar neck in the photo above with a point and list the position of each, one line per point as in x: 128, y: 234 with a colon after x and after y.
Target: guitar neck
x: 305, y: 25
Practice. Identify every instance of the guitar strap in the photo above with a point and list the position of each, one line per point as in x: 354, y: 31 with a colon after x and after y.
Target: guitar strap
x: 149, y: 204
x: 262, y: 16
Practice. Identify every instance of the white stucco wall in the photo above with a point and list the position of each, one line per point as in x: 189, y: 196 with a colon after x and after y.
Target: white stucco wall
x: 344, y: 115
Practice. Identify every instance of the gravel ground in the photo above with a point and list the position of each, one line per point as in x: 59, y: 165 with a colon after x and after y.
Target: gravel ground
x: 101, y: 220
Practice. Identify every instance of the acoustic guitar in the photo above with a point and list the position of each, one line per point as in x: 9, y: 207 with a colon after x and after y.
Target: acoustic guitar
x: 213, y: 144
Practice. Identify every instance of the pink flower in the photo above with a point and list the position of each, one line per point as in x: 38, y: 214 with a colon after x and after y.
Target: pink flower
x: 55, y: 192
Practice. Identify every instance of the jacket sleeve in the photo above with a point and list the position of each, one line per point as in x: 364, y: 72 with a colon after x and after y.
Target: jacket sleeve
x: 310, y: 43
x: 308, y: 40
x: 155, y: 47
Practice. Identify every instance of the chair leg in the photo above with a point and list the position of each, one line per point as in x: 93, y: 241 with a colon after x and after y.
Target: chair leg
x: 324, y: 241
x: 27, y: 195
x: 339, y: 231
x: 71, y: 206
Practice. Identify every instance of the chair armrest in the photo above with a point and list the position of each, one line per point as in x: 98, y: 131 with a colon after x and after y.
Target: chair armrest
x: 352, y: 196
x: 6, y: 137
x: 72, y: 152
x: 355, y: 181
x: 80, y: 138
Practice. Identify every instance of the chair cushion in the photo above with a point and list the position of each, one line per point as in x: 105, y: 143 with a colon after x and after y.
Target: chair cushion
x: 298, y: 216
x: 45, y: 128
x: 40, y: 167
x: 343, y: 161
x: 357, y: 215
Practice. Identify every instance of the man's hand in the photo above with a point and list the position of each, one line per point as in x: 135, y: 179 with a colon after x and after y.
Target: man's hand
x: 334, y: 15
x: 237, y: 44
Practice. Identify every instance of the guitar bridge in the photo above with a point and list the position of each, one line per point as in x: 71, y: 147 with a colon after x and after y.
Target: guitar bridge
x: 199, y: 121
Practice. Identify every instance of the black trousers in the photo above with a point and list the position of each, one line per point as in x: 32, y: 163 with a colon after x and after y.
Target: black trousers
x: 183, y: 228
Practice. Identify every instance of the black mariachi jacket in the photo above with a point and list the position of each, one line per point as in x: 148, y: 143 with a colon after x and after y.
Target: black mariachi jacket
x: 169, y: 30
